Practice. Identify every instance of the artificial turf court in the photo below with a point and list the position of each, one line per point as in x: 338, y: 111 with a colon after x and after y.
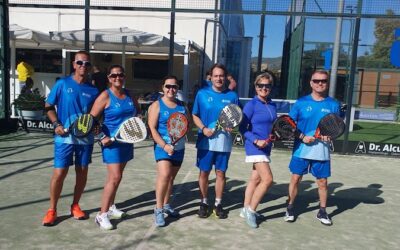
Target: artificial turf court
x: 363, y: 203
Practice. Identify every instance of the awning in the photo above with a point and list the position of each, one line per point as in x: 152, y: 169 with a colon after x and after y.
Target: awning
x: 27, y: 38
x: 118, y: 39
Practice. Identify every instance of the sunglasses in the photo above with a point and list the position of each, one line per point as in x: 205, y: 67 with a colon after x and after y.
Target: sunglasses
x: 114, y: 75
x: 83, y: 63
x: 263, y: 86
x: 323, y: 81
x: 173, y: 86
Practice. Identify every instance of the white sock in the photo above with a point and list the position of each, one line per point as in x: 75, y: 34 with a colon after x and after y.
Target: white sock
x: 204, y: 200
x: 218, y: 201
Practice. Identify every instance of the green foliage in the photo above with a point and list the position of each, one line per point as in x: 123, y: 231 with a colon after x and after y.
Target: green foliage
x: 384, y: 33
x: 30, y: 101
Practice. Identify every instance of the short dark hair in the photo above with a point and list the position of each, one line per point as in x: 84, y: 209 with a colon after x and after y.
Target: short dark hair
x: 169, y: 77
x: 218, y: 65
x: 115, y: 66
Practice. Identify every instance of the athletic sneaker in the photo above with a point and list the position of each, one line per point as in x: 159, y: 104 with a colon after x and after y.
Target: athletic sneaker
x: 77, y: 213
x: 203, y: 210
x: 243, y: 214
x: 251, y: 219
x: 115, y: 213
x: 49, y: 218
x: 159, y: 217
x: 289, y: 215
x: 170, y: 212
x: 323, y: 217
x: 103, y: 221
x: 220, y: 212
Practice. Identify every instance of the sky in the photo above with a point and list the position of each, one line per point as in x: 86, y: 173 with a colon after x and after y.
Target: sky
x: 317, y: 29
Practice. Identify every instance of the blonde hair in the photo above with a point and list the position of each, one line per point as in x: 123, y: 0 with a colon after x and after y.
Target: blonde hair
x: 264, y: 75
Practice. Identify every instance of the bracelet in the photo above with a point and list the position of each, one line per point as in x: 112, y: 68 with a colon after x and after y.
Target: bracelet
x: 202, y: 129
x: 164, y: 145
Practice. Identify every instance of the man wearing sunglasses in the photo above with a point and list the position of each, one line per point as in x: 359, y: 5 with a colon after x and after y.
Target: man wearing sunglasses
x: 72, y: 96
x: 311, y: 155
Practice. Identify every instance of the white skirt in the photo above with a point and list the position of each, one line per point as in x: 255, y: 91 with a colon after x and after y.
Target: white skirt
x: 257, y: 158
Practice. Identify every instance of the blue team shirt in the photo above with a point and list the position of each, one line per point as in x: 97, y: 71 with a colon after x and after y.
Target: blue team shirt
x: 71, y: 100
x: 117, y: 112
x: 307, y: 113
x: 258, y: 117
x: 207, y: 106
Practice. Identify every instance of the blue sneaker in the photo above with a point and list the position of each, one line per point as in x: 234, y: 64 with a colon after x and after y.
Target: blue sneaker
x: 243, y: 214
x: 251, y: 219
x: 170, y: 212
x: 159, y: 217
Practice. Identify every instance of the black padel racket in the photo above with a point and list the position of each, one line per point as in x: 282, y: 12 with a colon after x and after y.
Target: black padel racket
x: 82, y: 126
x: 230, y: 117
x: 284, y: 128
x: 132, y: 130
x: 330, y: 125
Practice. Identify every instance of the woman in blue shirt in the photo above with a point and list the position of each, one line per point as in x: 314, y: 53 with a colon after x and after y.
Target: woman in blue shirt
x: 117, y: 106
x: 169, y: 158
x: 258, y: 116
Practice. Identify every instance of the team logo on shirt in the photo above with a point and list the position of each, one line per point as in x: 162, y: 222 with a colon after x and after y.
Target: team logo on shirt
x: 225, y: 101
x: 117, y: 105
x: 325, y: 110
x: 130, y: 103
x: 309, y: 109
x: 86, y: 95
x: 210, y: 99
x: 166, y: 113
x: 70, y: 90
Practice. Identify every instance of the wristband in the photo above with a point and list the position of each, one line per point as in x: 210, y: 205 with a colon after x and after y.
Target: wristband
x: 102, y: 136
x: 202, y: 129
x: 56, y: 124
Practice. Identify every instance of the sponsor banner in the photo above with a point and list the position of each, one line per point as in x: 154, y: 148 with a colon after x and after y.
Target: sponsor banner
x: 42, y: 125
x: 353, y: 147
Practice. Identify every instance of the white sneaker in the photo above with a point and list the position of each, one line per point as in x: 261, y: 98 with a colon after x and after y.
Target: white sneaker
x: 103, y: 221
x: 115, y: 213
x: 243, y: 212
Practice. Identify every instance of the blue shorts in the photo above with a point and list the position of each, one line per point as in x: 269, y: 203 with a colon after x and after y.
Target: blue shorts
x: 117, y: 153
x: 319, y: 169
x: 206, y: 159
x: 64, y: 154
x: 160, y: 154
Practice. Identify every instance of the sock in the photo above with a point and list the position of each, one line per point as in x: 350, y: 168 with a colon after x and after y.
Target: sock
x: 290, y: 206
x: 204, y: 200
x: 218, y: 201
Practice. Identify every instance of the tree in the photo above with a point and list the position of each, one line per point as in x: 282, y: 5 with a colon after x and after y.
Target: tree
x: 384, y: 34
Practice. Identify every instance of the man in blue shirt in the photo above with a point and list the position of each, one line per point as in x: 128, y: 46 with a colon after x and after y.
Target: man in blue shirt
x: 73, y: 96
x: 311, y: 154
x: 212, y: 148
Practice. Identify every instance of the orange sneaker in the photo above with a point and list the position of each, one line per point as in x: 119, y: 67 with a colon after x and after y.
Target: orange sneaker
x: 77, y: 213
x: 49, y: 218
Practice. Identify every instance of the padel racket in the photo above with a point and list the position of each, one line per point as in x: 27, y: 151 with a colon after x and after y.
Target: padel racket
x: 330, y: 125
x: 230, y: 117
x: 82, y: 126
x: 132, y: 130
x: 177, y: 126
x: 284, y: 128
